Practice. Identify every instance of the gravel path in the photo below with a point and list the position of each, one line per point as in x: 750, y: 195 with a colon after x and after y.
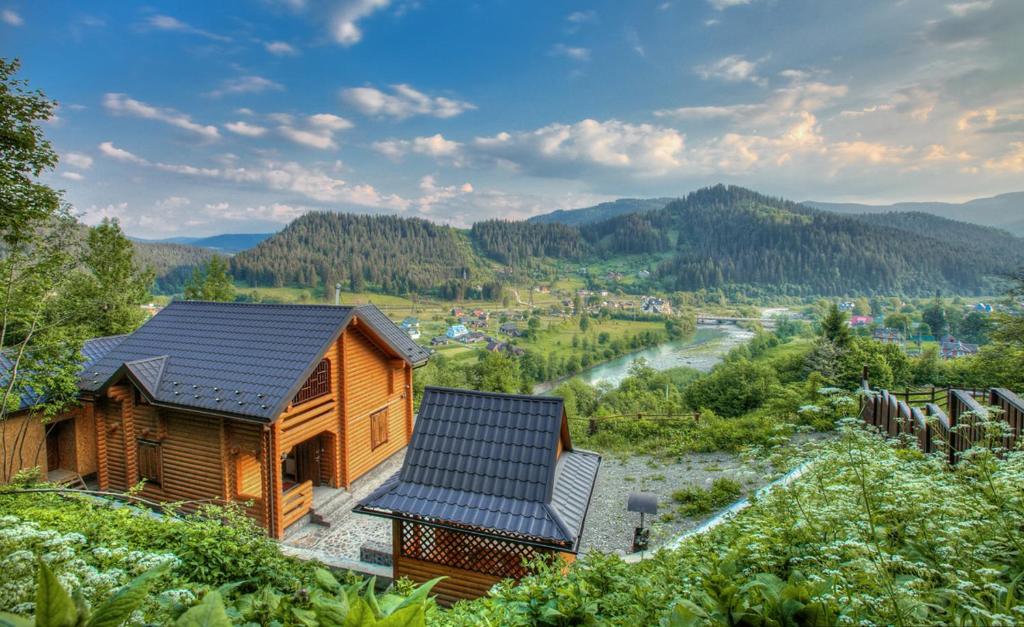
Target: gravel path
x: 609, y: 526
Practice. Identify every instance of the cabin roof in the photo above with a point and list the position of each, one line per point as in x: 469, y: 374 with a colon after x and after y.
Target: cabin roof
x: 246, y: 360
x: 489, y: 461
x: 92, y: 350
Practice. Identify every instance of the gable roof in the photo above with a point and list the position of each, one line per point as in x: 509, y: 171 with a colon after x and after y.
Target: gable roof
x: 244, y: 360
x: 92, y: 350
x: 488, y: 461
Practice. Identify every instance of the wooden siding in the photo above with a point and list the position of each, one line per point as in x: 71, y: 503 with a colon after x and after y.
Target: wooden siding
x: 368, y: 389
x: 23, y: 445
x: 460, y: 584
x: 321, y: 414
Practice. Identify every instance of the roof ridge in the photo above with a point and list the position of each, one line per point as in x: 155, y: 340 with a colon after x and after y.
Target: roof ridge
x: 268, y: 305
x: 530, y: 397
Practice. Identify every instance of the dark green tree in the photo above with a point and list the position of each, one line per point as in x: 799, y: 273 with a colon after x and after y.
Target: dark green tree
x: 114, y: 286
x: 835, y: 329
x: 211, y: 282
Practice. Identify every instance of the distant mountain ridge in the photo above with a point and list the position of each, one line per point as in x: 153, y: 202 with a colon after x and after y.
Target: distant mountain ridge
x: 1005, y: 211
x: 602, y: 211
x: 227, y: 243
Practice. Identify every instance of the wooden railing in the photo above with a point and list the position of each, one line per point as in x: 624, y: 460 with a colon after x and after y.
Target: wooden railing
x: 295, y: 503
x: 950, y: 431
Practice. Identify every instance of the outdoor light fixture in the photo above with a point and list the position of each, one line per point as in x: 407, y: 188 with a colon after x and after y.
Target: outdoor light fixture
x: 644, y: 503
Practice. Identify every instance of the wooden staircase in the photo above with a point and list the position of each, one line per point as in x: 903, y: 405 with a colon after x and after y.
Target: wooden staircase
x: 66, y: 479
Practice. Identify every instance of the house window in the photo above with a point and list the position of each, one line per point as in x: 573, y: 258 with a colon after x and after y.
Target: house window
x: 150, y: 461
x: 318, y: 384
x: 378, y: 428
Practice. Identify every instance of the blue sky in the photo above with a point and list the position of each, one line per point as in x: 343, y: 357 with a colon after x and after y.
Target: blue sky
x: 199, y: 118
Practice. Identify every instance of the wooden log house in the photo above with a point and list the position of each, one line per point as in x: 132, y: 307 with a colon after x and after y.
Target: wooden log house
x: 251, y: 403
x: 489, y: 480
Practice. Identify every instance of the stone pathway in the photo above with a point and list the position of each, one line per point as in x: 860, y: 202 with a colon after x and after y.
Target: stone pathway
x: 348, y: 530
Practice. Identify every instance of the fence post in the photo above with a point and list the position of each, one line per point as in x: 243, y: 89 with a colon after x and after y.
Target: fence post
x: 592, y: 427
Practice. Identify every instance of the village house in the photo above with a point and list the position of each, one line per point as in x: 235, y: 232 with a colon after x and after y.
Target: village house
x: 440, y: 340
x: 252, y: 403
x: 456, y: 331
x: 952, y: 348
x: 860, y: 321
x: 412, y: 327
x: 887, y: 336
x: 510, y: 329
x: 654, y: 305
x: 489, y: 481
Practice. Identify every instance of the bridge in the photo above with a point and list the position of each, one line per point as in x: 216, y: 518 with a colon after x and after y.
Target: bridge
x: 711, y: 320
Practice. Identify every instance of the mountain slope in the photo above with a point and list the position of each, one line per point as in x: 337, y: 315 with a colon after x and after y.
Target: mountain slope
x: 603, y: 211
x: 984, y: 240
x: 172, y: 263
x: 227, y: 243
x: 1004, y: 210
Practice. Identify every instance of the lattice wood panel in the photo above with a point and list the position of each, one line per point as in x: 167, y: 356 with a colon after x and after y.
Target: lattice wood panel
x: 318, y: 384
x: 492, y: 556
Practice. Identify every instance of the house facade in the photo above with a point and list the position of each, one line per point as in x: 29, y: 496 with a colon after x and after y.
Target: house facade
x: 254, y: 404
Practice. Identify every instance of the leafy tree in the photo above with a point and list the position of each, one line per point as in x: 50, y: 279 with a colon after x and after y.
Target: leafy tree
x: 498, y: 372
x: 834, y: 327
x: 211, y: 282
x: 114, y: 287
x: 584, y: 323
x: 935, y: 317
x: 38, y: 240
x: 976, y: 327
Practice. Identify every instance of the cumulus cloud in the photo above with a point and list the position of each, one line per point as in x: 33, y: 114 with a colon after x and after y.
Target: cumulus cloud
x: 641, y: 149
x: 245, y: 85
x: 1011, y: 162
x: 733, y: 69
x: 74, y: 176
x: 347, y: 15
x: 280, y: 48
x: 570, y: 52
x: 721, y: 5
x: 432, y: 194
x: 110, y: 150
x: 319, y: 131
x: 168, y: 23
x: 9, y: 17
x: 404, y: 101
x: 436, y: 146
x: 78, y: 160
x: 120, y: 104
x: 245, y: 129
x: 579, y: 17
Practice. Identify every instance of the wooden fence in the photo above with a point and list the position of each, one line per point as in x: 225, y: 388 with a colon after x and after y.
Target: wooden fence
x: 949, y: 431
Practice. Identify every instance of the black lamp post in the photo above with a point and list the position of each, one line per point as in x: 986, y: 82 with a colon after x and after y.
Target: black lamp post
x: 644, y: 503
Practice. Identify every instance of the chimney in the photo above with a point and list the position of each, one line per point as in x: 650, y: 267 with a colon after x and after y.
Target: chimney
x: 337, y: 293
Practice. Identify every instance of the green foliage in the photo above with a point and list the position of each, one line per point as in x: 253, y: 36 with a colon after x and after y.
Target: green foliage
x: 835, y: 329
x: 734, y: 389
x: 871, y: 534
x: 696, y: 501
x: 211, y: 282
x: 113, y: 287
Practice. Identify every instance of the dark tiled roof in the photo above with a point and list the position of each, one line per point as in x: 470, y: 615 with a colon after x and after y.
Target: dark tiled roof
x: 92, y: 350
x: 487, y: 460
x: 393, y: 334
x: 233, y: 358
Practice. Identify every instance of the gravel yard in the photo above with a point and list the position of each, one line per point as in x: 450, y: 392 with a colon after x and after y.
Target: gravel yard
x: 609, y: 526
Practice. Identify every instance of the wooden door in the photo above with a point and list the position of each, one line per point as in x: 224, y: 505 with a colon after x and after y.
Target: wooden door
x: 307, y: 461
x: 53, y: 458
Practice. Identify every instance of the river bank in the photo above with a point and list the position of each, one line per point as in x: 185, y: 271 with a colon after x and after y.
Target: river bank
x: 702, y: 351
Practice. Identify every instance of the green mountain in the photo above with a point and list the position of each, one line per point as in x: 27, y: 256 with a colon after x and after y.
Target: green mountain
x: 1003, y: 211
x: 172, y: 263
x: 715, y: 238
x: 603, y: 211
x: 226, y: 243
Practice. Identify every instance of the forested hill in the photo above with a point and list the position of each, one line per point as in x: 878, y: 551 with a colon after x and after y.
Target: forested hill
x: 389, y: 253
x: 712, y: 238
x: 603, y: 211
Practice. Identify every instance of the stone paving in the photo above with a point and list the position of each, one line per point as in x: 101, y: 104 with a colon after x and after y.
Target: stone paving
x: 348, y: 530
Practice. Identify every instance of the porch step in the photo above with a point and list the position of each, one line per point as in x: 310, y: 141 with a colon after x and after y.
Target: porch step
x: 326, y: 503
x: 67, y: 479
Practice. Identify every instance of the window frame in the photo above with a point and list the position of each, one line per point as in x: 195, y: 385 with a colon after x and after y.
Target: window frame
x: 316, y: 385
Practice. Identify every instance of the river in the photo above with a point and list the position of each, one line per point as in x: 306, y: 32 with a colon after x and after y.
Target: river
x: 701, y: 351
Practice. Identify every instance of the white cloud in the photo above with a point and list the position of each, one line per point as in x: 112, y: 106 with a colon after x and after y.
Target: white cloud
x: 569, y: 52
x: 168, y: 23
x: 433, y: 146
x: 95, y: 214
x: 961, y: 9
x: 330, y: 122
x: 9, y: 17
x: 404, y: 101
x: 120, y: 104
x: 733, y: 69
x: 245, y: 129
x: 280, y: 48
x: 319, y: 132
x: 74, y: 176
x: 1011, y: 162
x: 78, y: 160
x: 118, y: 154
x: 639, y: 149
x: 345, y: 21
x: 245, y: 85
x: 431, y: 194
x: 721, y: 5
x: 172, y: 202
x: 579, y: 17
x: 217, y: 206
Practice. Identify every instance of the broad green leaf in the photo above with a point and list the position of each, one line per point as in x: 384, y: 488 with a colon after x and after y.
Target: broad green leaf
x: 412, y: 616
x: 209, y: 613
x: 326, y: 580
x: 13, y: 620
x: 419, y: 595
x: 371, y: 597
x: 54, y: 607
x: 331, y: 612
x: 359, y: 614
x: 116, y: 610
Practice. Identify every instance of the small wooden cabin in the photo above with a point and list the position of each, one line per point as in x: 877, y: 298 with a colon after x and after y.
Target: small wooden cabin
x: 489, y: 480
x: 252, y: 403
